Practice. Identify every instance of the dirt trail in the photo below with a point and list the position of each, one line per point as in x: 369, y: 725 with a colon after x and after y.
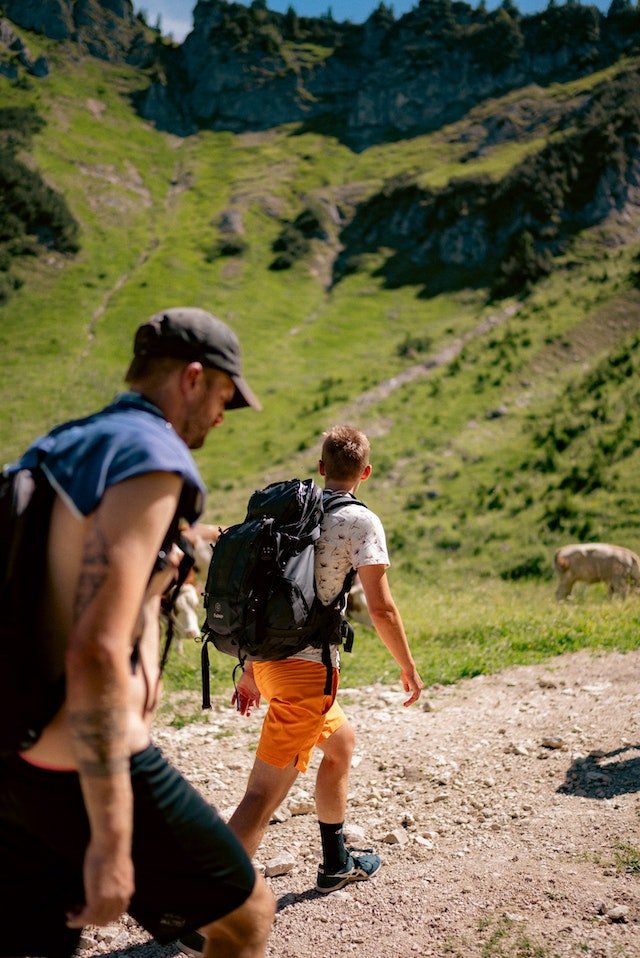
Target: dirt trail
x: 506, y: 811
x: 179, y: 183
x: 446, y: 355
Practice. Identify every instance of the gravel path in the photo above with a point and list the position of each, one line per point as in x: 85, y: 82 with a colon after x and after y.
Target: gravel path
x: 506, y: 810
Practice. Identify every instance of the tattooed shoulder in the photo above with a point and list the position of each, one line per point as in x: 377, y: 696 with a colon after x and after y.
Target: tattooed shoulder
x: 93, y: 569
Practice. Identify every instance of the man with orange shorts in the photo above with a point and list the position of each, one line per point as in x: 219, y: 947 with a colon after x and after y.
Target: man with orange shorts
x: 300, y: 716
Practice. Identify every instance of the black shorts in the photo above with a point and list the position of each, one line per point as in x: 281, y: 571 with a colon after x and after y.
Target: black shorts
x: 190, y: 869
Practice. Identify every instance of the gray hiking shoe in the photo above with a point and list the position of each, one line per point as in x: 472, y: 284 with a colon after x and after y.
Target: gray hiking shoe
x: 356, y: 868
x: 191, y: 943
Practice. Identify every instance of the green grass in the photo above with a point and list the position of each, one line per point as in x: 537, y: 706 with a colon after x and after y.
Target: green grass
x: 507, y: 940
x: 460, y: 494
x: 627, y: 859
x: 465, y: 628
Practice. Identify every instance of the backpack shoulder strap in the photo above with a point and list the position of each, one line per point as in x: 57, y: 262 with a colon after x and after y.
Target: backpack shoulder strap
x: 333, y: 500
x: 169, y: 599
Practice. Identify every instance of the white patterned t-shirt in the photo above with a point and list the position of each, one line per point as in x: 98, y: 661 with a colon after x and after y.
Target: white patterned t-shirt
x: 350, y: 537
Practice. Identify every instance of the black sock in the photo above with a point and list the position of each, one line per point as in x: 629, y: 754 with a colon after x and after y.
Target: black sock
x: 334, y: 852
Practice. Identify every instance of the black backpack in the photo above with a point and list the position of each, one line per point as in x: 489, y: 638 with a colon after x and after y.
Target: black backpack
x: 260, y: 598
x: 32, y: 683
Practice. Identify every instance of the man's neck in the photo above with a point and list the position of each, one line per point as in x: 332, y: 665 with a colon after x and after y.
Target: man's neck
x: 158, y: 397
x: 333, y: 485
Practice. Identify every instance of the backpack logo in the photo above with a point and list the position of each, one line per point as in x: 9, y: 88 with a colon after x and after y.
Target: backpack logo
x: 217, y: 610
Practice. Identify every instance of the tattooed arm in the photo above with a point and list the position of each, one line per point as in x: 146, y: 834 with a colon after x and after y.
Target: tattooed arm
x: 121, y: 542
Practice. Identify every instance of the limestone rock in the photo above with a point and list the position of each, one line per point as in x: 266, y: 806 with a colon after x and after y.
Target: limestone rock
x: 107, y: 29
x: 302, y: 804
x: 396, y: 837
x: 282, y: 864
x: 355, y: 835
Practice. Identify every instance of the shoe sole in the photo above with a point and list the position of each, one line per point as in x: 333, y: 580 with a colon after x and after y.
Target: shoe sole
x: 348, y: 880
x: 188, y: 950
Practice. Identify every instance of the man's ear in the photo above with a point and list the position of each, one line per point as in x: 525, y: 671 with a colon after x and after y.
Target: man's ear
x: 321, y: 468
x: 191, y: 374
x: 366, y: 472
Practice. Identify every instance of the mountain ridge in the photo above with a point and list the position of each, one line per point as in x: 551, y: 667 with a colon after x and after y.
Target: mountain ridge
x: 473, y: 467
x: 244, y: 68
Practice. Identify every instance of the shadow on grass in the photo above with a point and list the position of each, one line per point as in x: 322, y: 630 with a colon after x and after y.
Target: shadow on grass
x: 602, y: 775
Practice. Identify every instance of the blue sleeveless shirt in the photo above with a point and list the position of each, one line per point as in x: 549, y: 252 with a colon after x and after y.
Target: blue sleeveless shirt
x: 128, y: 438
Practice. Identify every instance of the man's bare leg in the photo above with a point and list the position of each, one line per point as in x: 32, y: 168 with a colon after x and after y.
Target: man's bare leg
x: 267, y: 788
x: 339, y: 865
x: 332, y: 781
x: 244, y: 932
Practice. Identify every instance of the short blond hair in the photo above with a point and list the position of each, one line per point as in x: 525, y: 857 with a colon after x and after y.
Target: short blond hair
x: 345, y: 453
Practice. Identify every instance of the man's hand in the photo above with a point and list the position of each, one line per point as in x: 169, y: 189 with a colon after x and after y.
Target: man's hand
x: 389, y: 626
x: 411, y: 682
x: 108, y: 887
x: 246, y: 697
x: 163, y: 580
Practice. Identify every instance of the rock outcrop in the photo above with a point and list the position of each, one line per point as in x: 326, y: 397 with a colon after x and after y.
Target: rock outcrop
x: 251, y: 68
x: 506, y: 232
x: 14, y: 53
x: 247, y: 68
x: 107, y: 29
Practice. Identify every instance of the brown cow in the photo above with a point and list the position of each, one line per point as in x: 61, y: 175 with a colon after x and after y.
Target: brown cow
x: 596, y: 562
x: 185, y: 615
x: 203, y: 538
x: 357, y: 608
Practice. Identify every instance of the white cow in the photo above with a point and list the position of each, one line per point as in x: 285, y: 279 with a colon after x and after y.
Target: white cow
x: 203, y: 538
x: 357, y: 608
x: 184, y: 615
x: 596, y: 562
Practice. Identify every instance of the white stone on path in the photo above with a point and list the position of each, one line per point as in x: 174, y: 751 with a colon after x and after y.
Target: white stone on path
x: 354, y: 835
x: 302, y: 804
x: 396, y: 837
x: 282, y: 864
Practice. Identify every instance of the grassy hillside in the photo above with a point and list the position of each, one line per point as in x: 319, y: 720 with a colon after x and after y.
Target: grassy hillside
x: 500, y: 429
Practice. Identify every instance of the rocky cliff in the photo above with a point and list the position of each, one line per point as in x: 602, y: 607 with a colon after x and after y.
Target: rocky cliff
x: 248, y: 68
x: 245, y: 68
x: 106, y: 29
x: 15, y: 54
x: 507, y: 232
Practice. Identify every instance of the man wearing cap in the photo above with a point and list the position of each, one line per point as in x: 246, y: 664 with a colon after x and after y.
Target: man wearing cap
x: 93, y: 821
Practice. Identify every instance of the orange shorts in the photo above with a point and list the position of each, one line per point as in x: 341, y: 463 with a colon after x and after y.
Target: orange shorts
x: 299, y: 714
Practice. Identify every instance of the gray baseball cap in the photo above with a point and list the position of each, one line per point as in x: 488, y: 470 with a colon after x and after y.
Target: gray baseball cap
x: 192, y: 334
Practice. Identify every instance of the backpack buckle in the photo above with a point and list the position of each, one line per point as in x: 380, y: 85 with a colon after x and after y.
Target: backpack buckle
x: 347, y: 634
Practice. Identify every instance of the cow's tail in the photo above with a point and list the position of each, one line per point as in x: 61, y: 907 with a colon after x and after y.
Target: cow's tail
x: 560, y: 561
